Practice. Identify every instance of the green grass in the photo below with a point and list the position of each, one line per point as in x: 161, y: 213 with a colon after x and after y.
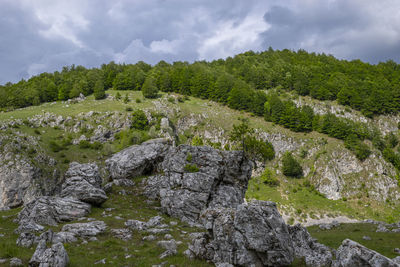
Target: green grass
x: 383, y: 243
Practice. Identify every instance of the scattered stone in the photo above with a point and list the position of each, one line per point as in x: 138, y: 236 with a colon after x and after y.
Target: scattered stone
x: 102, y: 261
x: 3, y: 260
x: 64, y: 237
x: 93, y: 239
x: 382, y: 229
x: 154, y: 221
x: 173, y: 223
x: 16, y: 262
x: 149, y: 238
x: 54, y: 256
x: 123, y: 233
x: 158, y: 231
x: 136, y: 225
x: 85, y: 229
x: 168, y: 236
x: 396, y: 250
x: 366, y: 238
x: 170, y: 246
x: 124, y: 182
x: 351, y: 254
x: 26, y: 240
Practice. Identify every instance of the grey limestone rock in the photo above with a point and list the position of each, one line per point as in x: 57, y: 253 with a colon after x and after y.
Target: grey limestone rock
x: 15, y: 262
x: 89, y: 172
x: 351, y: 254
x: 79, y: 188
x: 52, y: 210
x: 64, y: 237
x: 137, y: 160
x: 315, y: 254
x: 123, y: 233
x: 85, y: 229
x: 220, y: 182
x: 253, y: 234
x: 170, y: 246
x: 56, y: 255
x: 26, y: 240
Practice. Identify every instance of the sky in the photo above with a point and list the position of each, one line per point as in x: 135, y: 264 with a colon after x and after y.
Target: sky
x: 44, y: 35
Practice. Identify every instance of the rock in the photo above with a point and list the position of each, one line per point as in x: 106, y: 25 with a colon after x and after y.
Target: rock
x: 149, y: 238
x: 124, y: 234
x: 381, y: 228
x: 89, y: 172
x: 26, y: 240
x: 124, y: 182
x: 137, y: 160
x: 81, y: 189
x: 16, y: 262
x: 85, y: 229
x: 136, y: 225
x: 102, y: 261
x: 168, y: 236
x: 396, y: 250
x: 366, y: 238
x: 351, y: 254
x: 29, y: 227
x: 396, y: 260
x: 329, y: 226
x: 315, y: 254
x: 220, y: 182
x: 253, y: 234
x: 102, y: 135
x: 52, y: 210
x: 64, y: 237
x: 54, y: 256
x: 170, y: 246
x: 157, y: 231
x: 154, y: 221
x: 3, y: 261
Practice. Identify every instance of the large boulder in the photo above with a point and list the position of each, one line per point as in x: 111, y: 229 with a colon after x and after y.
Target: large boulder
x: 81, y: 189
x: 351, y: 253
x: 196, y: 178
x: 137, y: 160
x: 52, y: 210
x: 252, y: 234
x: 314, y: 253
x: 89, y: 172
x: 54, y: 256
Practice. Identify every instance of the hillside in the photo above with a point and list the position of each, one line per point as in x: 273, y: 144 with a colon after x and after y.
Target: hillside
x: 39, y: 142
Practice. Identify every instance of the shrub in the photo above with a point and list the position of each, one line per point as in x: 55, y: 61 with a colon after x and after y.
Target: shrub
x: 138, y: 100
x: 139, y: 120
x: 149, y: 89
x: 97, y: 145
x: 191, y: 168
x: 36, y: 131
x: 83, y: 144
x: 197, y: 141
x: 171, y: 99
x: 31, y: 151
x: 267, y: 177
x: 290, y: 167
x: 126, y: 99
x: 118, y: 96
x: 128, y: 109
x: 189, y: 157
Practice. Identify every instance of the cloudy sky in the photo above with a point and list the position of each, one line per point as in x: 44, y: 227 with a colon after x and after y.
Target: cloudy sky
x: 44, y: 35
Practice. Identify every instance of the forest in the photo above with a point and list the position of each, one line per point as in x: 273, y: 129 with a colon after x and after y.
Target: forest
x: 244, y: 82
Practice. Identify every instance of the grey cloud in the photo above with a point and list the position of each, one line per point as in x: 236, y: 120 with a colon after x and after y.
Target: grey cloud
x: 346, y: 29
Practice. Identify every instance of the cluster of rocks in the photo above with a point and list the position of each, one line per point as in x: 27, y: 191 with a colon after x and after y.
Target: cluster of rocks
x: 81, y: 189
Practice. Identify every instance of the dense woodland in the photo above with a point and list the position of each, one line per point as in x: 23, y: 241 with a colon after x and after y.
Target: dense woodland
x: 244, y: 82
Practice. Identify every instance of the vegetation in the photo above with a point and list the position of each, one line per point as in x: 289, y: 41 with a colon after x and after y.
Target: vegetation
x: 191, y: 168
x: 139, y: 120
x: 290, y: 166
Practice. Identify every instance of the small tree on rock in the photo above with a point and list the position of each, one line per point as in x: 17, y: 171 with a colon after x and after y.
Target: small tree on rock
x: 290, y: 167
x: 149, y: 89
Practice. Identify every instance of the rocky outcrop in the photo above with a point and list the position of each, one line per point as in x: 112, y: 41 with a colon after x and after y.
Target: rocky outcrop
x: 351, y: 253
x: 137, y: 160
x: 314, y: 253
x: 89, y: 172
x: 197, y: 178
x: 54, y: 256
x: 253, y: 234
x: 51, y: 210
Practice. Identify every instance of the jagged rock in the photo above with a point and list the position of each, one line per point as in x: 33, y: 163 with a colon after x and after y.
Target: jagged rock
x: 16, y: 262
x: 366, y: 238
x: 381, y: 228
x: 89, y: 172
x: 64, y: 237
x: 123, y: 182
x: 85, y: 229
x: 136, y: 225
x: 220, y: 182
x: 154, y: 221
x: 351, y: 254
x: 315, y: 254
x: 253, y: 234
x: 149, y: 238
x: 26, y: 240
x: 52, y: 210
x: 170, y: 246
x: 396, y: 260
x: 102, y: 135
x: 29, y: 227
x: 102, y: 261
x: 396, y: 250
x: 158, y: 231
x: 137, y: 160
x: 329, y: 226
x: 124, y: 234
x: 81, y: 189
x: 54, y: 256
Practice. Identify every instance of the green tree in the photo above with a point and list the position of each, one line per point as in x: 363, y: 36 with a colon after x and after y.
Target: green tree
x: 99, y: 90
x: 290, y: 167
x: 149, y: 89
x: 139, y: 120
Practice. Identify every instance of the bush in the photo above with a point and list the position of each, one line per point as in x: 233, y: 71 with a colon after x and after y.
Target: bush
x: 267, y: 177
x: 83, y: 144
x: 189, y: 157
x: 128, y: 109
x: 138, y: 100
x: 36, y: 131
x: 259, y: 150
x: 290, y: 167
x: 191, y: 168
x: 197, y: 141
x: 149, y: 89
x: 171, y: 99
x: 118, y: 96
x: 139, y: 120
x: 97, y: 145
